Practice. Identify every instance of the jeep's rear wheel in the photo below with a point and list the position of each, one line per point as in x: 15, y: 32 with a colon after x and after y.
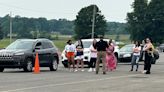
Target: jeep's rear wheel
x: 29, y: 66
x: 54, y: 65
x: 1, y: 69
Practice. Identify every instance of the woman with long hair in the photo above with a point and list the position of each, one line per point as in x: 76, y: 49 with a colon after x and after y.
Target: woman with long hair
x: 111, y: 60
x: 79, y: 55
x: 149, y: 48
x: 93, y: 55
x: 136, y: 55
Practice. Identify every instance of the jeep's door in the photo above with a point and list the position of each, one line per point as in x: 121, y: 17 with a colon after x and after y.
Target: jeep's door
x: 41, y: 52
x: 48, y: 52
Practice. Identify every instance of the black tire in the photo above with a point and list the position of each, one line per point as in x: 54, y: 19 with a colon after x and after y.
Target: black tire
x: 1, y: 69
x: 29, y: 65
x: 54, y: 65
x: 65, y: 63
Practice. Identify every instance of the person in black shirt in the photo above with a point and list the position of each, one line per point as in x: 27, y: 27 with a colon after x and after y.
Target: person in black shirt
x: 101, y: 47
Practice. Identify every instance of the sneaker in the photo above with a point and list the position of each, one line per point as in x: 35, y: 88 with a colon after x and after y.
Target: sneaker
x: 147, y: 72
x: 90, y: 70
x: 76, y: 70
x: 82, y: 70
x: 131, y: 70
x: 104, y: 73
x: 144, y: 71
x: 94, y: 69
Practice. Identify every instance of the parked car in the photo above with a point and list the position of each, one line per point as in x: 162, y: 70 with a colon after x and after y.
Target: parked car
x: 87, y: 43
x: 126, y: 53
x: 161, y: 47
x: 22, y: 52
x: 120, y: 43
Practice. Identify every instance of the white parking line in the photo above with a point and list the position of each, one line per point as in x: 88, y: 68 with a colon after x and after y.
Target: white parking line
x: 69, y: 83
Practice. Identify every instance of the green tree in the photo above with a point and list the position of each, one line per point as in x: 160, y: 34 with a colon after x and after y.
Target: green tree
x: 5, y: 23
x: 1, y: 33
x: 83, y: 22
x: 155, y: 21
x: 137, y: 20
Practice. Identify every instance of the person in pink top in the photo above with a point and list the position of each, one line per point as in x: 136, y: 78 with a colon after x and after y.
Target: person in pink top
x: 93, y: 54
x: 111, y: 60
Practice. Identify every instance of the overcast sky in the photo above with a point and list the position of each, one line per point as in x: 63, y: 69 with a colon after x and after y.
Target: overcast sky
x: 114, y: 10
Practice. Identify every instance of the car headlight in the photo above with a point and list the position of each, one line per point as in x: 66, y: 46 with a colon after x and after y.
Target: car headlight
x: 18, y: 54
x: 127, y: 55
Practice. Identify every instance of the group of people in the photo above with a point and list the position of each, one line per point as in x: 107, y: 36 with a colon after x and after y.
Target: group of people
x: 104, y: 51
x: 99, y: 51
x: 148, y: 55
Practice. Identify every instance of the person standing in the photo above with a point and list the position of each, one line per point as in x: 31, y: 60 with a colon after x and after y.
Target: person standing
x: 149, y: 48
x: 110, y: 57
x: 93, y: 55
x: 70, y: 54
x: 101, y: 54
x: 79, y: 56
x: 136, y: 56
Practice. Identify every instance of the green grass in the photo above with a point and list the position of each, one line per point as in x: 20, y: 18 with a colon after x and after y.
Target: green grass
x: 60, y: 44
x: 63, y: 39
x: 123, y: 38
x: 4, y: 43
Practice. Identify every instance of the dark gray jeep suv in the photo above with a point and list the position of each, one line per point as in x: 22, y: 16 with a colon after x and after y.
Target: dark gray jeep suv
x: 22, y: 52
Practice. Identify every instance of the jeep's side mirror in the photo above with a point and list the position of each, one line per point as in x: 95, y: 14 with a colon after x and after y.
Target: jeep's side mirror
x: 37, y: 48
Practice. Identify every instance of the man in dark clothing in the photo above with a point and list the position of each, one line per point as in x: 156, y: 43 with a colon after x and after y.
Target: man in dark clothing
x: 101, y: 48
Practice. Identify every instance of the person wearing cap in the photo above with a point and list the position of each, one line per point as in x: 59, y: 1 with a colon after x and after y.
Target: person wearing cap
x: 101, y: 47
x: 70, y: 53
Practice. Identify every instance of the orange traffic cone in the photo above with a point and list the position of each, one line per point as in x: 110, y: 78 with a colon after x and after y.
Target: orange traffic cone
x: 37, y: 67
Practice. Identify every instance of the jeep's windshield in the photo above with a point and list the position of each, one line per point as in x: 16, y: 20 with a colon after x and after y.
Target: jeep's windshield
x: 20, y: 44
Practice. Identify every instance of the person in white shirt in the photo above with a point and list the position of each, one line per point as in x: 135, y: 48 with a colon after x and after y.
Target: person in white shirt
x: 93, y: 55
x: 70, y: 53
x: 136, y: 55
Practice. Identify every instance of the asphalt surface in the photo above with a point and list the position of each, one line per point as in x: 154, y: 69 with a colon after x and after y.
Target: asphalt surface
x: 121, y: 80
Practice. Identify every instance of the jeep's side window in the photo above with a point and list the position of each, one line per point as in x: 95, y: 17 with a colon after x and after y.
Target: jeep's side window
x: 38, y: 46
x: 47, y: 45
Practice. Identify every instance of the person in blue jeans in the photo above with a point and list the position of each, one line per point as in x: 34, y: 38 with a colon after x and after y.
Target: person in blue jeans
x: 136, y: 55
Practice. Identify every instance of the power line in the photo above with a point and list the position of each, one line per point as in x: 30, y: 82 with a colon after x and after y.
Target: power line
x: 31, y: 10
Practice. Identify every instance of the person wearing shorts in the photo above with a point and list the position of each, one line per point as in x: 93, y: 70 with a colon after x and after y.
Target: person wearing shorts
x: 79, y: 56
x: 70, y: 54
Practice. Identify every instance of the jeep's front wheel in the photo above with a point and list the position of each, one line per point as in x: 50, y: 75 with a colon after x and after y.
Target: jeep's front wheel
x: 54, y: 65
x: 1, y: 69
x: 29, y: 66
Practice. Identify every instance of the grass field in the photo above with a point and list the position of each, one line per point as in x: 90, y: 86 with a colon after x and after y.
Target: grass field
x: 4, y: 43
x: 63, y: 39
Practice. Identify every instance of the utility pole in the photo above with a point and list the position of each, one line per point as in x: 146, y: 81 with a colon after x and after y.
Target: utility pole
x: 93, y: 20
x: 37, y: 36
x: 10, y: 27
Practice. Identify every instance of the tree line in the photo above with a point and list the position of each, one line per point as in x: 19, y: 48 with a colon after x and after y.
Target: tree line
x: 24, y: 27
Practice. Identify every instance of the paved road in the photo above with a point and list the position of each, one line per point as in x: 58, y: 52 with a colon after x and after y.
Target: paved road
x: 63, y: 81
